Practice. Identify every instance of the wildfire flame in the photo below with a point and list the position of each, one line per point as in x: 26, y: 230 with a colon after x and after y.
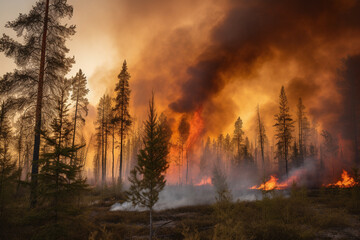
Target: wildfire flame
x: 269, y: 185
x: 345, y: 182
x: 204, y: 181
x: 273, y: 183
x: 196, y: 129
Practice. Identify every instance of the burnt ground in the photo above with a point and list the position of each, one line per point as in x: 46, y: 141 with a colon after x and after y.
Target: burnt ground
x: 304, y: 214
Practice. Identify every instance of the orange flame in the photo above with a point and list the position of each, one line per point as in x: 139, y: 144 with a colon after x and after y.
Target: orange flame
x: 204, y: 181
x: 273, y: 184
x: 196, y: 129
x: 269, y: 185
x: 345, y: 182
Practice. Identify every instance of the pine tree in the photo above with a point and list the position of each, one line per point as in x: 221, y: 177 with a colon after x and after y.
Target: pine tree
x: 59, y: 181
x: 284, y: 126
x: 121, y: 109
x: 238, y: 137
x: 79, y: 92
x: 148, y: 177
x: 44, y: 36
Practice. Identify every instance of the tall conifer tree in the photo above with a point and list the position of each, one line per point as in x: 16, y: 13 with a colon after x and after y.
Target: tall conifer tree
x: 284, y: 126
x: 79, y: 92
x: 44, y: 37
x: 148, y: 177
x: 122, y: 116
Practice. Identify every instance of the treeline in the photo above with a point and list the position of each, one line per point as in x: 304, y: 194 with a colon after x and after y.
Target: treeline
x: 295, y: 143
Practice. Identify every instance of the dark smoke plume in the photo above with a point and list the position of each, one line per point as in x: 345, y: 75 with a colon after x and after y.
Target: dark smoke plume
x: 253, y: 33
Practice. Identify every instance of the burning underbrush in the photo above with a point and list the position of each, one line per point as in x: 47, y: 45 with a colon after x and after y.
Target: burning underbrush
x: 346, y: 181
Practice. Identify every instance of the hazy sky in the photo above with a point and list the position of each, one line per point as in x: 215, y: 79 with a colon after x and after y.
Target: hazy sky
x: 223, y: 57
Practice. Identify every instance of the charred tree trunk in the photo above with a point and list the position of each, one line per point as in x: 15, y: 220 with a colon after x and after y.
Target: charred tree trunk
x: 35, y: 162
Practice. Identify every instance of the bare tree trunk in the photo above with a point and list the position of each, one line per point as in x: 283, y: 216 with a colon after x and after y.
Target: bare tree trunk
x: 35, y: 164
x: 75, y: 118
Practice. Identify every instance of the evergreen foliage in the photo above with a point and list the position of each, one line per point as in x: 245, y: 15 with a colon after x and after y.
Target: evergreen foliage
x: 122, y: 116
x: 284, y: 126
x: 148, y: 177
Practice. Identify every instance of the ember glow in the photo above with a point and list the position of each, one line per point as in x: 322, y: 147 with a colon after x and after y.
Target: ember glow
x: 346, y: 181
x: 204, y: 181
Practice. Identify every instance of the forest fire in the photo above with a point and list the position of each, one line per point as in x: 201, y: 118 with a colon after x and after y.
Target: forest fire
x: 204, y: 181
x: 196, y: 129
x: 179, y: 108
x: 345, y: 182
x: 273, y: 183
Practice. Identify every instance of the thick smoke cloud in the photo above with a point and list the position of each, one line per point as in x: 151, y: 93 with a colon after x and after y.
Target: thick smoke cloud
x: 225, y: 57
x: 312, y: 35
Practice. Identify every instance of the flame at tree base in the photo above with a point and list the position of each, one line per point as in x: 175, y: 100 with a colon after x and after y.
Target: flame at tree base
x: 345, y: 182
x: 274, y: 184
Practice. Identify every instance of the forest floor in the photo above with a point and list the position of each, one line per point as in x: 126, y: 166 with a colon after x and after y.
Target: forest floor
x: 304, y: 214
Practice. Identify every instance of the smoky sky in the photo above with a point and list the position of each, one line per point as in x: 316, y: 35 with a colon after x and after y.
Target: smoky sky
x: 314, y: 34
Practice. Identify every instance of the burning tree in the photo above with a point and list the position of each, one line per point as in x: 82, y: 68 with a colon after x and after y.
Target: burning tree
x: 148, y: 177
x: 284, y: 126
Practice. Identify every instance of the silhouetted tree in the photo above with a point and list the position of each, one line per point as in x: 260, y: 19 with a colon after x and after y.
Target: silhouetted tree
x: 79, y: 92
x: 121, y: 109
x: 59, y: 180
x: 284, y: 126
x: 261, y: 136
x: 40, y: 55
x: 148, y: 177
x: 238, y: 137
